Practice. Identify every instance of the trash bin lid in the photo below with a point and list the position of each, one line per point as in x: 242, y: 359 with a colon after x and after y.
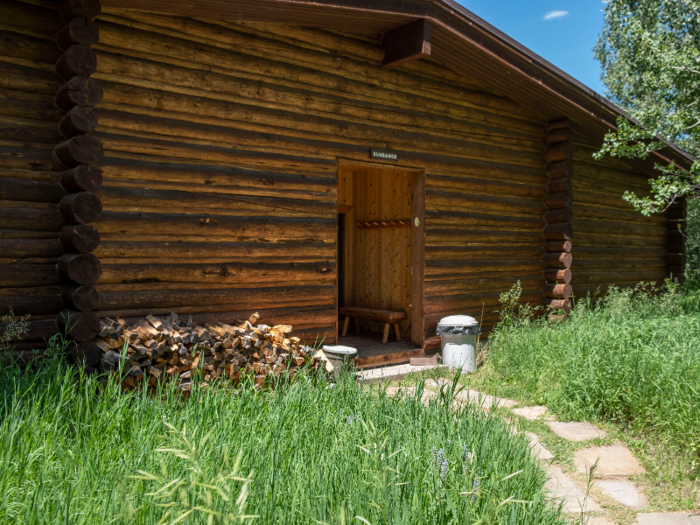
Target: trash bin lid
x: 458, y: 320
x: 340, y: 349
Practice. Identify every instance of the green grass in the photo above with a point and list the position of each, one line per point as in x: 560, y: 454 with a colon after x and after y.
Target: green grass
x: 75, y: 451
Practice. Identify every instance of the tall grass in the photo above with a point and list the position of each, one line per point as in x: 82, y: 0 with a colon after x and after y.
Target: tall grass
x: 75, y: 451
x: 632, y: 357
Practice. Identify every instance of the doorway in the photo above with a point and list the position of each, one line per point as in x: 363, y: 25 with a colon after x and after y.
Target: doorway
x: 381, y: 246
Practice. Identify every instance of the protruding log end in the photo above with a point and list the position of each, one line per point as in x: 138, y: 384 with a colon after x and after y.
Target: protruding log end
x: 558, y: 276
x: 80, y: 208
x: 82, y: 268
x: 675, y: 259
x: 559, y: 170
x: 559, y: 152
x: 84, y: 354
x: 80, y: 297
x: 559, y: 185
x: 82, y: 178
x: 562, y: 123
x: 71, y: 9
x: 558, y: 304
x: 557, y: 290
x: 558, y: 246
x: 76, y: 61
x: 79, y: 31
x: 675, y: 236
x: 79, y: 91
x: 677, y: 248
x: 558, y: 260
x: 677, y: 214
x: 82, y: 238
x: 78, y: 121
x: 80, y: 326
x: 84, y: 149
x: 559, y: 231
x: 557, y: 216
x: 676, y: 271
x: 559, y: 135
x: 558, y: 200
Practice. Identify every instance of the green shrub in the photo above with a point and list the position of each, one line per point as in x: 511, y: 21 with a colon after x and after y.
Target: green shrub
x: 632, y: 357
x: 75, y: 451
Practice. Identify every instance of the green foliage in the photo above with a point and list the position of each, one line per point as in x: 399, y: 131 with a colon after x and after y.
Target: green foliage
x: 650, y: 54
x: 74, y: 450
x: 13, y: 330
x: 631, y: 357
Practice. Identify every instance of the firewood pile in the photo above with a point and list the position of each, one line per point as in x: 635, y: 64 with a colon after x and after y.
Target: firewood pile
x: 173, y: 349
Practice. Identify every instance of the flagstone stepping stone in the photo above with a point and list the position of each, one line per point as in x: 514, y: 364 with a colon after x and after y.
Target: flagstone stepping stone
x: 531, y: 413
x: 667, y: 518
x: 487, y: 401
x: 438, y: 382
x: 624, y: 492
x: 600, y: 521
x: 575, y: 431
x: 537, y: 449
x: 617, y: 460
x: 561, y: 488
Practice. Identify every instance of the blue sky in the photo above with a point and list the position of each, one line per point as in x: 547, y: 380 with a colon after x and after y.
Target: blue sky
x: 561, y: 31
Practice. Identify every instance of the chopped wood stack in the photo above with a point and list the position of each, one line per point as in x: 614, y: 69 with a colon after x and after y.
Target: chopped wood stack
x: 78, y: 155
x: 170, y: 348
x: 558, y: 230
x: 675, y: 259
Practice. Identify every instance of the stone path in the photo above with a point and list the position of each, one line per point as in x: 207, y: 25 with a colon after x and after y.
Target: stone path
x: 613, y: 463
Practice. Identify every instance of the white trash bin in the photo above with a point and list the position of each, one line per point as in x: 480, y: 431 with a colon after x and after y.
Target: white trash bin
x: 338, y: 355
x: 458, y: 336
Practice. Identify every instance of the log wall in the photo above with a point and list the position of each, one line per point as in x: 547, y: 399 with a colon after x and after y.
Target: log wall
x: 612, y: 243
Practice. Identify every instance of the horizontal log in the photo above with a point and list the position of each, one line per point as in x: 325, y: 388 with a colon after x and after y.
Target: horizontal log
x: 78, y: 121
x: 71, y: 9
x: 81, y: 208
x: 79, y: 31
x: 560, y: 231
x: 437, y: 219
x: 84, y: 149
x: 600, y: 212
x: 676, y: 214
x: 471, y: 304
x: 84, y: 354
x: 217, y: 300
x: 676, y: 248
x: 618, y: 253
x: 583, y: 265
x: 39, y: 330
x: 49, y: 302
x: 558, y: 260
x: 558, y: 215
x: 559, y: 135
x: 31, y: 248
x: 675, y: 270
x: 296, y: 252
x: 558, y: 276
x: 455, y: 267
x: 82, y: 268
x: 235, y: 228
x: 558, y: 152
x: 557, y: 290
x: 595, y: 240
x: 78, y: 326
x: 558, y: 246
x: 558, y: 200
x: 82, y: 238
x: 614, y: 277
x: 79, y: 91
x: 76, y: 61
x: 31, y: 219
x: 26, y: 275
x: 481, y: 186
x: 27, y: 190
x: 172, y: 271
x: 80, y: 297
x: 466, y: 284
x: 474, y: 237
x: 559, y: 169
x: 483, y: 252
x: 562, y: 185
x: 82, y: 178
x: 603, y: 229
x: 558, y: 304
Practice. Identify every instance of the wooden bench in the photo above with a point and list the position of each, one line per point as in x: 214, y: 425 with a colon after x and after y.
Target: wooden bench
x: 387, y: 317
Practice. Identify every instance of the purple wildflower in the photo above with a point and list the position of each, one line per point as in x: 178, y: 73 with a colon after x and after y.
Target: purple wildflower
x: 443, y: 470
x: 475, y: 488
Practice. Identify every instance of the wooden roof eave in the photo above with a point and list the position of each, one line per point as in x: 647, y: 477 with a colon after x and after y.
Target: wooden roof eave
x: 460, y: 40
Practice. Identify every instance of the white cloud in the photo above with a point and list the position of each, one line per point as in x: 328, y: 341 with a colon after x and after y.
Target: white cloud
x: 555, y: 14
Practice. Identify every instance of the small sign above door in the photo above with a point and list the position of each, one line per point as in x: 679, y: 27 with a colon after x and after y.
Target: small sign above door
x: 383, y: 154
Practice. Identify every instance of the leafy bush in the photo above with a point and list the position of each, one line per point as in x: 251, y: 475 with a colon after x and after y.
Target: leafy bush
x: 632, y: 357
x: 74, y: 450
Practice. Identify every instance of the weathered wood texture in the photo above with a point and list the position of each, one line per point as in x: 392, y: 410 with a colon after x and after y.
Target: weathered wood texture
x: 613, y: 243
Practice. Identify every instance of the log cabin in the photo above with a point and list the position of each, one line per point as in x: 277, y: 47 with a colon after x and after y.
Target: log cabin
x: 298, y: 157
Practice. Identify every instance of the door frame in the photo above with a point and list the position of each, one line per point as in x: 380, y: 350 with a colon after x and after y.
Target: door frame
x: 417, y: 243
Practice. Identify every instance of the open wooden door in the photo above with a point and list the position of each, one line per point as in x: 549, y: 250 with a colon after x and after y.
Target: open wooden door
x: 378, y: 264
